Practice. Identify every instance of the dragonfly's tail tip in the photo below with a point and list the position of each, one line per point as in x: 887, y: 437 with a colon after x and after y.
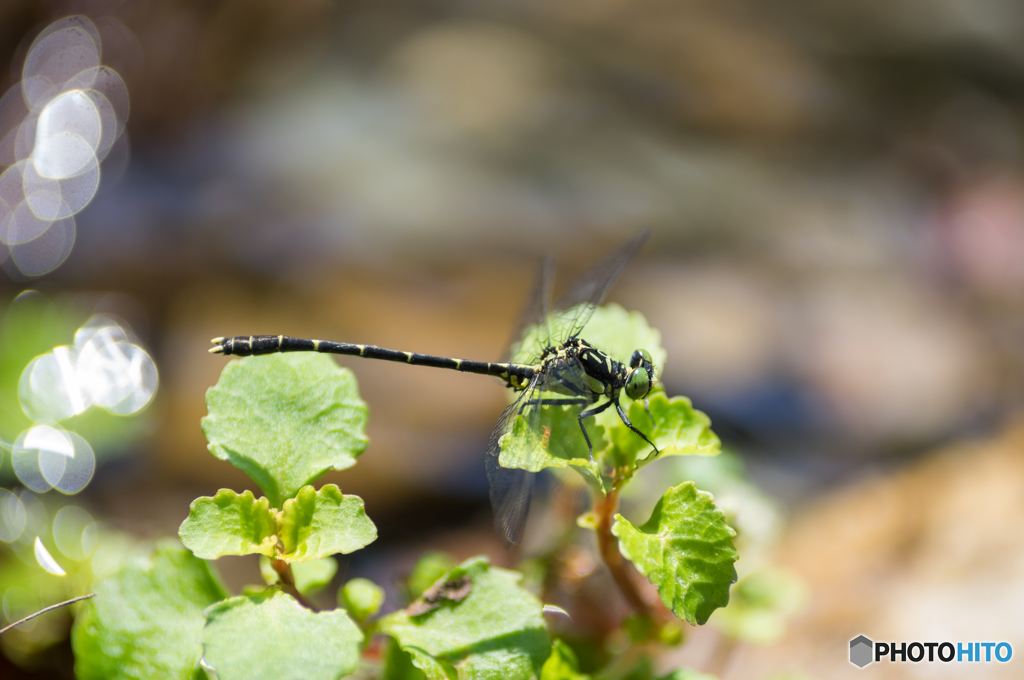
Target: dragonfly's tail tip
x: 216, y: 350
x: 217, y: 341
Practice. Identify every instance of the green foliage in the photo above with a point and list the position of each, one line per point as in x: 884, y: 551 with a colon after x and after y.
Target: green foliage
x: 673, y: 425
x: 229, y: 524
x: 496, y: 631
x: 285, y: 419
x: 318, y: 523
x: 686, y: 550
x: 311, y: 526
x: 258, y: 636
x: 562, y: 664
x: 146, y: 618
x: 555, y: 442
x: 361, y: 597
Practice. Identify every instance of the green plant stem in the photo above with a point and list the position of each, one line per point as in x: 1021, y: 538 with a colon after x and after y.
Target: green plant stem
x: 284, y: 571
x: 604, y: 509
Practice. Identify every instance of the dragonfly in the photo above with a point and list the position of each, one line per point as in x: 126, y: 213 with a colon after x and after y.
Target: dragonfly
x: 554, y: 367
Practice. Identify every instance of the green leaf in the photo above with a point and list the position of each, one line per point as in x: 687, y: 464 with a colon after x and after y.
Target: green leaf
x: 673, y: 425
x: 314, y: 575
x: 229, y: 523
x: 686, y: 550
x: 414, y: 664
x: 556, y: 443
x: 361, y: 597
x: 146, y: 619
x: 316, y: 524
x: 432, y: 668
x: 398, y: 663
x: 496, y: 631
x: 285, y: 419
x: 562, y: 664
x: 270, y: 635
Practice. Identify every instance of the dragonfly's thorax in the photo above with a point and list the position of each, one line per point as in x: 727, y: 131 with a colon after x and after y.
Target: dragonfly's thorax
x: 580, y: 369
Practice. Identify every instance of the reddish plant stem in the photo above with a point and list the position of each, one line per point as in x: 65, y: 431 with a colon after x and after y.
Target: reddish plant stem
x: 604, y: 508
x: 284, y: 571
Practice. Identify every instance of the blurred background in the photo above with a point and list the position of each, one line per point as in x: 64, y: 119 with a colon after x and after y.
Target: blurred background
x: 836, y: 192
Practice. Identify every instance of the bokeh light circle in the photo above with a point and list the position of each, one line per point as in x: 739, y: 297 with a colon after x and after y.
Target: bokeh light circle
x: 46, y: 457
x: 74, y: 532
x: 13, y: 516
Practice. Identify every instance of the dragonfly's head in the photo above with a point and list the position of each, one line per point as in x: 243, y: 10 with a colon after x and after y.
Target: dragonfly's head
x: 640, y: 378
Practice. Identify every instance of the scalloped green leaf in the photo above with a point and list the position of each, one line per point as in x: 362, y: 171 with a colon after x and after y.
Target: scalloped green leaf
x: 673, y: 425
x: 361, y: 597
x: 496, y: 631
x: 270, y: 635
x: 286, y: 419
x: 686, y: 550
x: 229, y: 523
x: 316, y: 524
x: 562, y: 664
x: 146, y: 619
x: 556, y: 443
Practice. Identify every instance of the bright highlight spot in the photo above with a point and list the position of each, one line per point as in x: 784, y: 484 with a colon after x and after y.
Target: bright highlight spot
x: 47, y: 458
x: 56, y: 126
x: 104, y: 368
x: 12, y: 516
x: 46, y: 561
x: 74, y: 532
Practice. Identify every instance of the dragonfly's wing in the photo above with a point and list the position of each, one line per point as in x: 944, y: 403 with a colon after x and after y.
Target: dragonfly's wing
x: 523, y: 348
x: 510, y: 489
x: 573, y: 310
x: 541, y: 423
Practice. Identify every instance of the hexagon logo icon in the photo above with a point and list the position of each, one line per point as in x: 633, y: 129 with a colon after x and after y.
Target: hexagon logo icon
x: 861, y: 651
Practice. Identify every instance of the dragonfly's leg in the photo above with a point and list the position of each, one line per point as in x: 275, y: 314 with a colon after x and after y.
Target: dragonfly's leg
x: 622, y: 415
x: 586, y: 414
x: 576, y: 401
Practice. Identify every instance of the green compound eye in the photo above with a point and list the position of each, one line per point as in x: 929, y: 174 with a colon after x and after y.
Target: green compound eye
x: 638, y: 384
x: 639, y: 356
